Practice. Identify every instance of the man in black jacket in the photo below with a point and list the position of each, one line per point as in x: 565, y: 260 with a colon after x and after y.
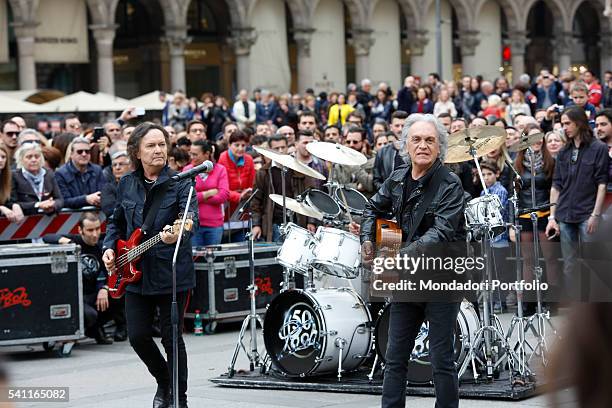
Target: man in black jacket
x: 99, y: 308
x: 403, y: 195
x: 148, y: 149
x: 388, y: 158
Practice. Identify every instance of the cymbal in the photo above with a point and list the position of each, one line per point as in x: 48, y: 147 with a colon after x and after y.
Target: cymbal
x: 485, y: 140
x: 296, y: 206
x: 468, y: 136
x: 289, y: 162
x: 336, y: 153
x: 526, y: 141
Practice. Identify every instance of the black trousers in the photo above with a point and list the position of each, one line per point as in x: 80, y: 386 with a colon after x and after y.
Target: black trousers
x: 140, y: 311
x: 404, y: 324
x: 94, y: 319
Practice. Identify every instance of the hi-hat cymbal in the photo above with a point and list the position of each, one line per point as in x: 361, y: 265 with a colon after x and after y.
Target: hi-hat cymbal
x: 484, y: 139
x: 289, y: 162
x: 336, y: 153
x: 466, y: 137
x: 526, y: 141
x: 296, y: 206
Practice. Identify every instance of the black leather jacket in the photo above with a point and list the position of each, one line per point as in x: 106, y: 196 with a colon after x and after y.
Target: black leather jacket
x: 387, y: 160
x: 443, y: 220
x: 542, y: 190
x: 129, y: 213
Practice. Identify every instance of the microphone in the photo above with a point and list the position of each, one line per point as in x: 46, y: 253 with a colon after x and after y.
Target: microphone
x: 205, y: 167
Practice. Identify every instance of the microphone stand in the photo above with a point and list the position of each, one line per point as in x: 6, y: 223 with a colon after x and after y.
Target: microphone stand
x: 174, y: 312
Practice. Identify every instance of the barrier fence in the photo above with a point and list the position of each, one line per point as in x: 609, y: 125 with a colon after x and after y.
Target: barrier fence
x: 35, y: 226
x: 66, y: 221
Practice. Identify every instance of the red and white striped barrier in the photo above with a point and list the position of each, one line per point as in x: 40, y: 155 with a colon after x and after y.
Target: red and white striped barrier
x: 39, y: 225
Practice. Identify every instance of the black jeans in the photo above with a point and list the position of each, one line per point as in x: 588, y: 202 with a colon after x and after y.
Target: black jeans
x: 404, y: 324
x: 140, y: 311
x: 94, y: 319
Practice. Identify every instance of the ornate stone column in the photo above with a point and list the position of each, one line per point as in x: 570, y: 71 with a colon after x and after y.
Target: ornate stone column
x: 302, y: 37
x: 24, y: 33
x: 362, y: 41
x: 104, y: 36
x: 605, y: 47
x: 468, y: 41
x: 241, y: 41
x: 176, y: 38
x: 518, y: 46
x: 416, y: 40
x: 563, y: 44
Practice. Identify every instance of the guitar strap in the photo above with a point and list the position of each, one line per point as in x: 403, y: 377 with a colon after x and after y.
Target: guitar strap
x: 154, y: 207
x: 432, y: 187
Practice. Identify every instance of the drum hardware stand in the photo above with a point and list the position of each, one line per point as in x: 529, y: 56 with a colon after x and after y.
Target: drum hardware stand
x: 340, y: 343
x: 252, y: 318
x: 491, y: 330
x: 518, y: 320
x: 540, y: 317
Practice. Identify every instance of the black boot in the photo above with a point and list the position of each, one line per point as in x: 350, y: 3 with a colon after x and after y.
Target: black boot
x: 120, y: 334
x: 162, y: 397
x: 100, y: 336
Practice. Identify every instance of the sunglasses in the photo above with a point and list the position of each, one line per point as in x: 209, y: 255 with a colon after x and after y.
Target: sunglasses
x: 12, y: 134
x: 352, y: 142
x: 83, y: 151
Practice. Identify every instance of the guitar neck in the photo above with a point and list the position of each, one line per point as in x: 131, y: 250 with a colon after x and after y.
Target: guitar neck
x: 144, y: 247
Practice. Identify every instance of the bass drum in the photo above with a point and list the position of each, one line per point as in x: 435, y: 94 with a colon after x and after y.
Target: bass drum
x: 355, y: 200
x: 419, y: 366
x: 305, y: 330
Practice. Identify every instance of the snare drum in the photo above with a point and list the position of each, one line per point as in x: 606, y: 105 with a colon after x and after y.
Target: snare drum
x: 307, y: 332
x: 485, y: 210
x: 355, y: 200
x: 337, y: 252
x: 323, y: 202
x: 419, y: 366
x: 296, y: 251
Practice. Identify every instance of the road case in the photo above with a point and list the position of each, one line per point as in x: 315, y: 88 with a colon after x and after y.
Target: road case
x: 41, y: 294
x: 222, y: 279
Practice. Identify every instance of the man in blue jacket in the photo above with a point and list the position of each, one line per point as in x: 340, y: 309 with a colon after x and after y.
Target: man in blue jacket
x: 79, y: 180
x: 148, y: 150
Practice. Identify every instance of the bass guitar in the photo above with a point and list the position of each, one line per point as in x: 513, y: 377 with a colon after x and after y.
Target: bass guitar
x: 128, y: 254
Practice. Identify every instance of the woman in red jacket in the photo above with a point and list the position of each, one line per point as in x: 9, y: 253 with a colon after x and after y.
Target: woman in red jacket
x: 241, y: 173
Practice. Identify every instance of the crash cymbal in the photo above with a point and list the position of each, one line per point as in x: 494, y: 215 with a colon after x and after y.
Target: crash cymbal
x: 526, y: 141
x: 336, y: 153
x: 460, y: 153
x: 468, y: 136
x: 296, y: 206
x: 289, y: 162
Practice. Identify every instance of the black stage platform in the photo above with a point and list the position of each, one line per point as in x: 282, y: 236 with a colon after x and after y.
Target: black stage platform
x: 358, y: 383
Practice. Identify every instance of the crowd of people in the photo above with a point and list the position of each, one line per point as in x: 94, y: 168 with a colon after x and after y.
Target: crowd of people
x: 57, y: 164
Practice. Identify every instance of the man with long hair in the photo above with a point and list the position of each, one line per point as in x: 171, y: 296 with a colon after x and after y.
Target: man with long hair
x: 578, y: 190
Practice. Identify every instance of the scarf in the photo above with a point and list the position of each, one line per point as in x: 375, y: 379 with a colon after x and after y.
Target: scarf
x: 239, y: 162
x: 537, y: 165
x: 37, y: 181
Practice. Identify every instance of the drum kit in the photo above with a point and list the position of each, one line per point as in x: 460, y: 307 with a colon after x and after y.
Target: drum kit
x: 491, y: 347
x: 330, y: 331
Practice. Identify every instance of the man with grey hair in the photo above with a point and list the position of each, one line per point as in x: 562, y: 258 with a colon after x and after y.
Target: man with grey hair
x: 427, y: 201
x: 112, y: 129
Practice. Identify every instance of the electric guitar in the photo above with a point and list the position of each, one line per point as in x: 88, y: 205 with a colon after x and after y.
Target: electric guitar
x: 129, y: 252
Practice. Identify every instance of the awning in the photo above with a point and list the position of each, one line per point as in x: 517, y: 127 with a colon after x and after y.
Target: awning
x: 86, y: 102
